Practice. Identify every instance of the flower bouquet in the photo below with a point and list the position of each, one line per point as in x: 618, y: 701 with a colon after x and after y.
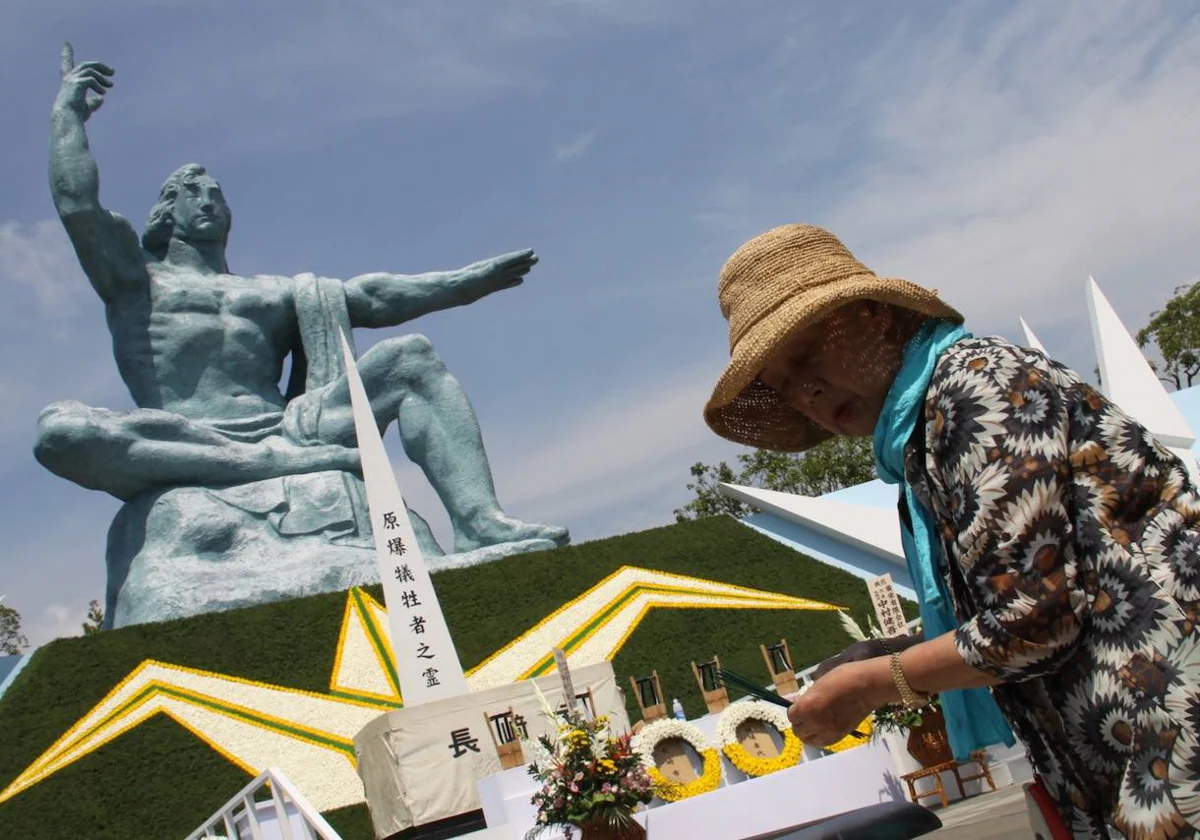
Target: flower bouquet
x: 590, y: 779
x: 928, y: 741
x: 896, y: 718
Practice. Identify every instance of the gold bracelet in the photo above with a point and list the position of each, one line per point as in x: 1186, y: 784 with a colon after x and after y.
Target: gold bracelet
x: 910, y: 698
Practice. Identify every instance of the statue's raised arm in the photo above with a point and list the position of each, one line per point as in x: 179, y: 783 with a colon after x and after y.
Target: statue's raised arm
x: 106, y: 243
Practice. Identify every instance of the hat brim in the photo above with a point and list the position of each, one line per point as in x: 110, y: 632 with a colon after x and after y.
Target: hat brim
x: 744, y: 410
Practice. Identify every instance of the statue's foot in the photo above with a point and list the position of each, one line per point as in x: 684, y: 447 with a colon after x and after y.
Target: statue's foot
x: 496, y: 528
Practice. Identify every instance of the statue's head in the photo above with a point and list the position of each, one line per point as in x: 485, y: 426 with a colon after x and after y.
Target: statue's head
x: 190, y: 207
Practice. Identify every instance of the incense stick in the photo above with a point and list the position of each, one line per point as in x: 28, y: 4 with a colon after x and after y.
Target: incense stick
x: 739, y: 682
x: 735, y: 680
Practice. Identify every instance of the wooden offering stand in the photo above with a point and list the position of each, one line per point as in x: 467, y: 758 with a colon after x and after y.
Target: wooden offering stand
x: 779, y: 664
x: 648, y: 691
x: 716, y: 696
x: 507, y: 729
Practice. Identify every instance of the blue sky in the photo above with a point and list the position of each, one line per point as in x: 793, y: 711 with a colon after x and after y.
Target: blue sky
x: 1000, y: 153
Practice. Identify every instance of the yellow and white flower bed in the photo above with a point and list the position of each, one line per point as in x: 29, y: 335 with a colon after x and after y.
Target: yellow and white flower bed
x: 594, y: 626
x: 310, y: 735
x: 254, y: 725
x: 364, y: 665
x: 769, y: 714
x: 668, y: 729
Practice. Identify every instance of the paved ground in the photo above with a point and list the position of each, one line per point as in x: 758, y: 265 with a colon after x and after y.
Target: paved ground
x: 991, y: 816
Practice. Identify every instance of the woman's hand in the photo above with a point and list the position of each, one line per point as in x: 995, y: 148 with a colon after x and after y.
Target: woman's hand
x: 838, y: 701
x: 868, y: 649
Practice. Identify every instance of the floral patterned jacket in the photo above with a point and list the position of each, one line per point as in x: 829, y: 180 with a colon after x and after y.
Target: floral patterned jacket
x: 1073, y: 541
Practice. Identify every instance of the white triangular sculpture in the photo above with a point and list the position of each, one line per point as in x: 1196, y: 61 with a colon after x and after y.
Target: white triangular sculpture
x: 1189, y: 460
x: 1031, y: 340
x: 875, y: 530
x: 426, y: 662
x: 1128, y: 380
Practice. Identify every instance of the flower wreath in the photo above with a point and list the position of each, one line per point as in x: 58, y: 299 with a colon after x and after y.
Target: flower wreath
x: 775, y: 716
x: 664, y: 730
x: 851, y: 741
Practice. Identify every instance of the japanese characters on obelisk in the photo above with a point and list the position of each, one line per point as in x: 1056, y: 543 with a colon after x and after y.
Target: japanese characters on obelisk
x: 426, y: 662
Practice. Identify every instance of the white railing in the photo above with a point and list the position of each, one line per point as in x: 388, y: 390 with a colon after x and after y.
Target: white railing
x: 287, y: 815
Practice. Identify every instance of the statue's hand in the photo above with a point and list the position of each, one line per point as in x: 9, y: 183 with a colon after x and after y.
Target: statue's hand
x: 498, y: 273
x: 83, y: 86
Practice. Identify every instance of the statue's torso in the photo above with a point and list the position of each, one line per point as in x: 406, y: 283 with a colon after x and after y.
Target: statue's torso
x: 205, y: 347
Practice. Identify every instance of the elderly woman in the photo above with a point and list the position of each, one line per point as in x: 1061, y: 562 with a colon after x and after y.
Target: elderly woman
x: 1053, y: 544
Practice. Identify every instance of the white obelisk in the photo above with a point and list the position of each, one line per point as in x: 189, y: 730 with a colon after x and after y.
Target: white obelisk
x: 1031, y: 340
x: 1130, y: 382
x: 426, y: 662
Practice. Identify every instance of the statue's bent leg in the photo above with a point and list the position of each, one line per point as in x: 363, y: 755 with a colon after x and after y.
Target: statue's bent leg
x: 128, y: 453
x: 406, y: 380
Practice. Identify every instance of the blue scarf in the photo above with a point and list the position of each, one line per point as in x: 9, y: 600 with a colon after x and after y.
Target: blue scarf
x: 973, y: 720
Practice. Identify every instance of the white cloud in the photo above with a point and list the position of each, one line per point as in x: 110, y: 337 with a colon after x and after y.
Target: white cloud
x: 418, y: 55
x: 1004, y: 160
x: 1018, y: 167
x: 613, y: 450
x: 39, y: 258
x: 575, y: 148
x: 624, y: 450
x: 55, y: 322
x: 56, y: 621
x: 54, y: 553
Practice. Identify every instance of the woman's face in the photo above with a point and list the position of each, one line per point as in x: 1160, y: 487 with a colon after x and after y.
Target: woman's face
x: 837, y: 372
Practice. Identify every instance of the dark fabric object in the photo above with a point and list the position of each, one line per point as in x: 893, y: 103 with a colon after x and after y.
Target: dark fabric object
x: 455, y: 826
x: 886, y: 821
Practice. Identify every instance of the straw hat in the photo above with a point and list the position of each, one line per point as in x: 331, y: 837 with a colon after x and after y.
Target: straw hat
x: 772, y: 288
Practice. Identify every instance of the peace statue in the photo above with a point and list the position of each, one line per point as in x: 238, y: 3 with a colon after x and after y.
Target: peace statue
x: 235, y: 492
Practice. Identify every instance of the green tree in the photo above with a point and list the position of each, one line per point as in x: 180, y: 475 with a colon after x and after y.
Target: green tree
x: 838, y: 462
x: 1175, y: 330
x: 12, y: 641
x: 708, y: 500
x: 95, y: 619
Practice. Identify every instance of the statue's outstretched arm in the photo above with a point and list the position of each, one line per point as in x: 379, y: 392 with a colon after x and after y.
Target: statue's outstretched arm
x: 106, y: 244
x: 385, y: 300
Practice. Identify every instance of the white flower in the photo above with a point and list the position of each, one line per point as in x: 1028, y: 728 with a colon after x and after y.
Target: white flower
x: 547, y: 710
x: 538, y: 754
x: 852, y: 628
x: 664, y: 729
x: 738, y: 713
x: 668, y: 729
